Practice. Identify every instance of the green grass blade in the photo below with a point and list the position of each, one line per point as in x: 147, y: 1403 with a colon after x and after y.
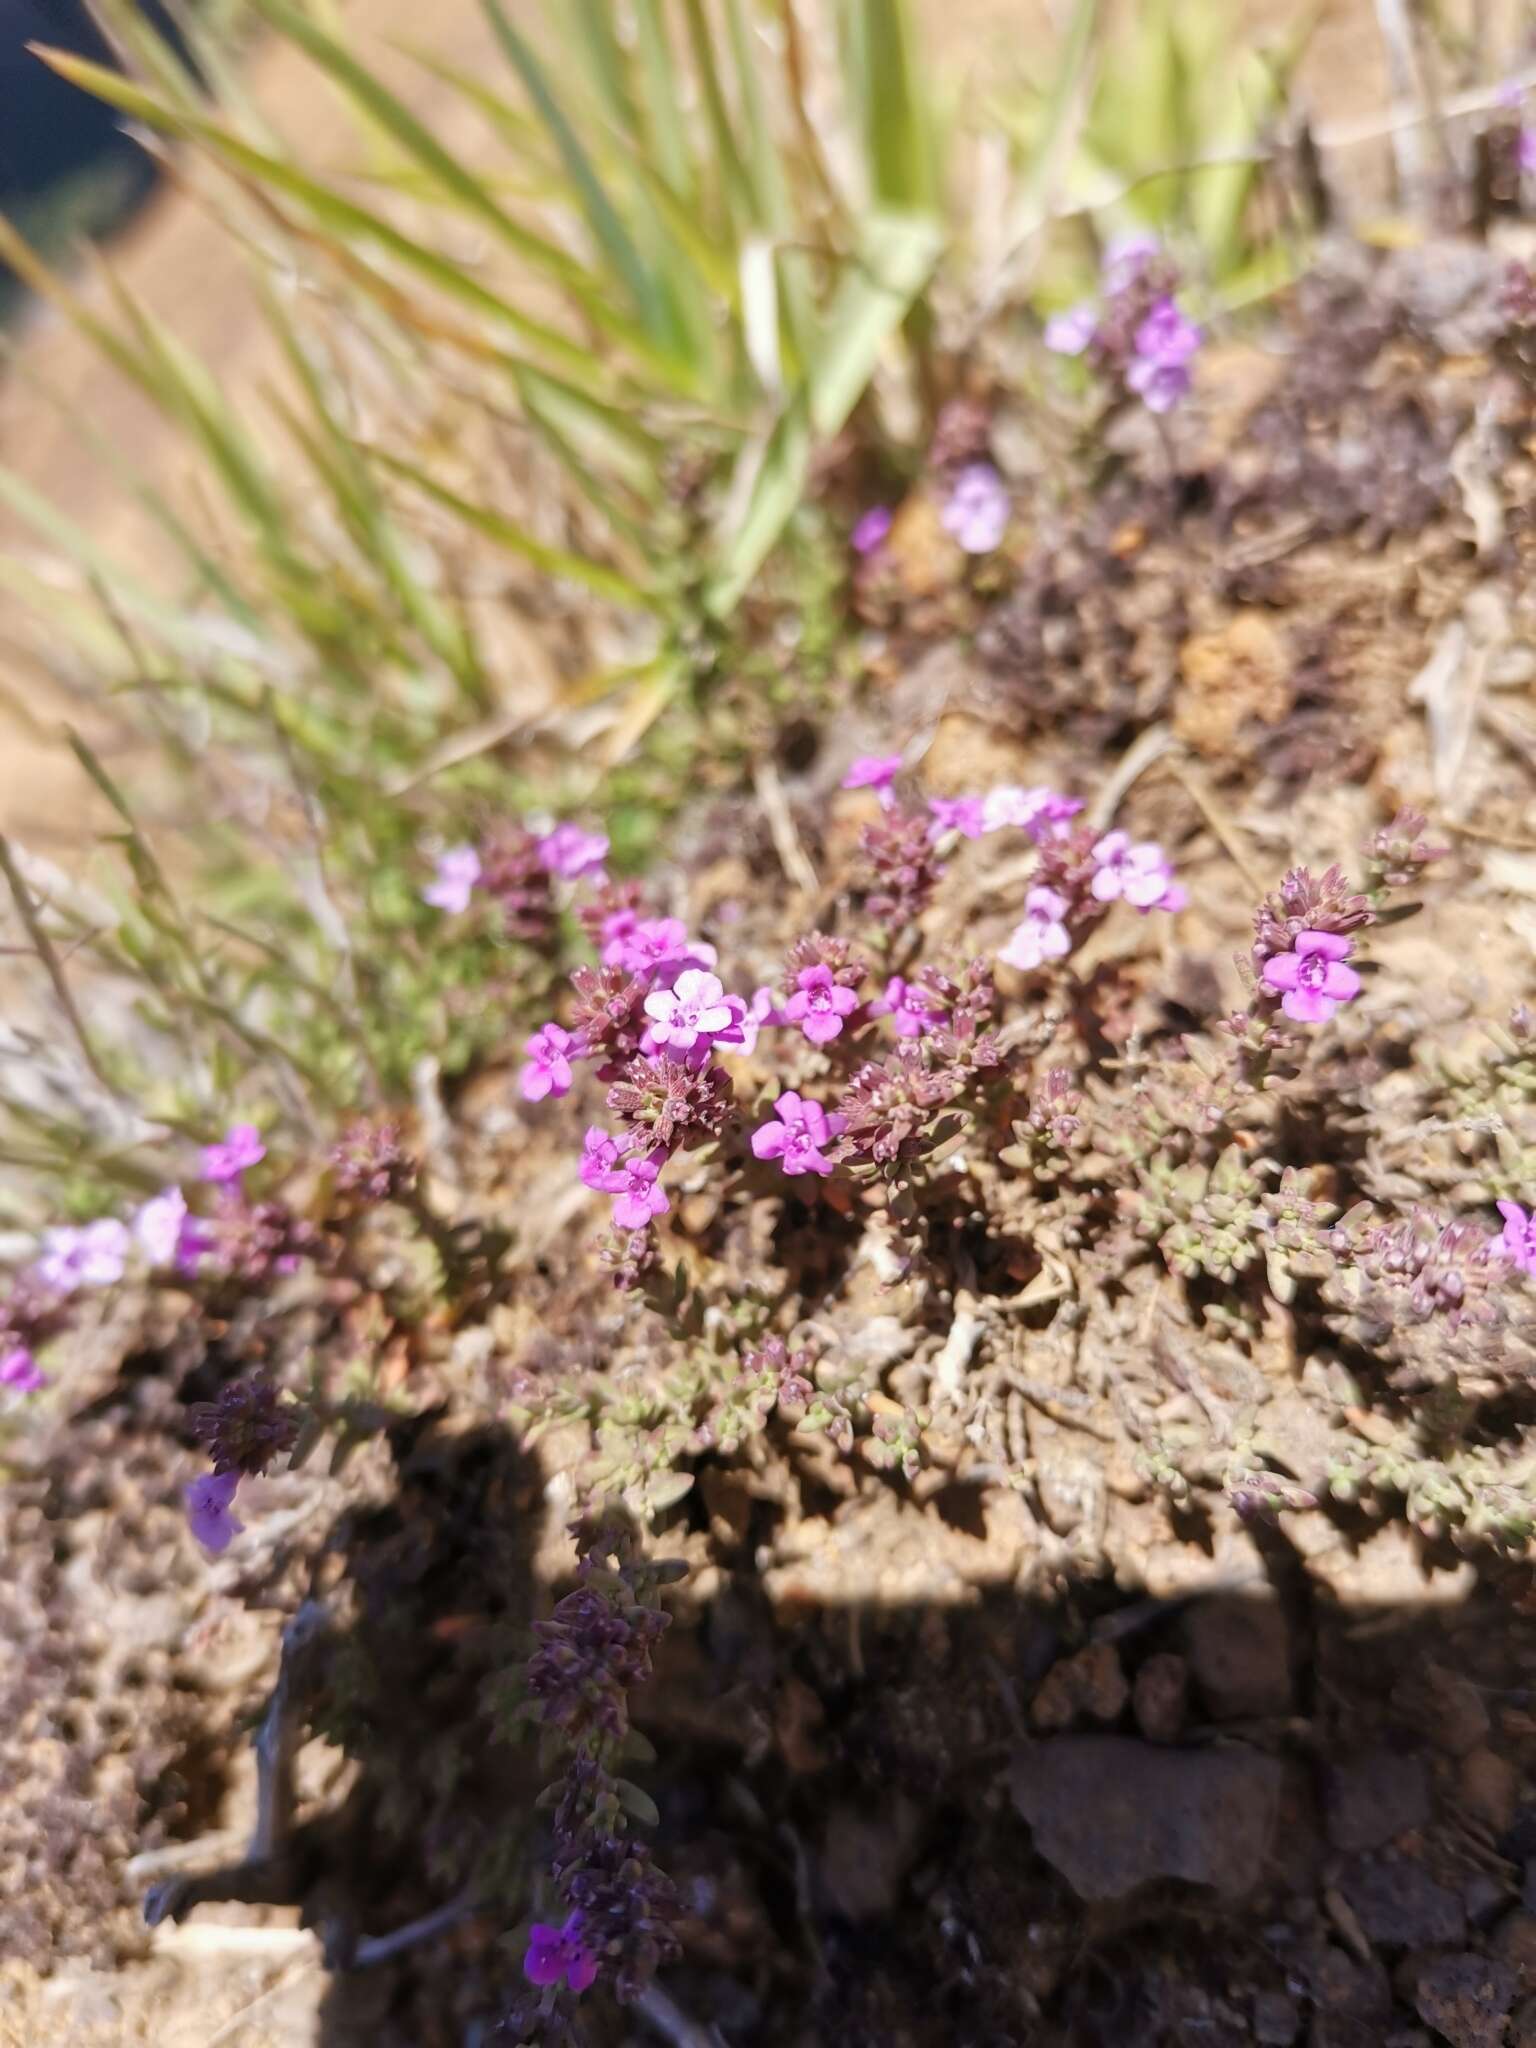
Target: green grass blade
x: 506, y: 533
x: 874, y: 296
x: 608, y: 229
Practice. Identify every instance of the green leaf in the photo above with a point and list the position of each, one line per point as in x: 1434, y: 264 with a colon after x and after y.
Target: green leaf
x: 876, y: 292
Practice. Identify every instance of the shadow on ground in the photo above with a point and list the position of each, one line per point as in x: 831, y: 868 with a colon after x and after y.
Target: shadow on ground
x: 1265, y: 1812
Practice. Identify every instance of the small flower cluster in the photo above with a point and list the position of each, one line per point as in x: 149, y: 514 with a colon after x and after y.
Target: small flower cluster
x: 245, y: 1430
x: 658, y: 1022
x: 619, y: 1909
x: 1133, y: 335
x: 515, y: 867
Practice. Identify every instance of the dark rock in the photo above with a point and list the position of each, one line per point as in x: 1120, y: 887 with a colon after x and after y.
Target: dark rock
x: 1276, y: 2019
x: 1467, y: 1998
x: 1111, y: 1813
x: 1490, y: 1788
x: 866, y: 1855
x: 1400, y: 1905
x: 1375, y: 1796
x: 1522, y: 2024
x: 1514, y: 1942
x: 1239, y: 1652
x: 1442, y: 1706
x: 1088, y: 1687
x: 1160, y: 1697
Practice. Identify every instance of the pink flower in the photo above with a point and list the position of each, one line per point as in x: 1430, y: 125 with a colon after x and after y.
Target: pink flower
x: 693, y: 1008
x: 978, y: 509
x: 1138, y: 871
x: 1126, y: 257
x: 556, y: 1955
x: 798, y: 1135
x: 1166, y: 336
x: 1313, y: 979
x: 1043, y: 935
x: 1069, y: 333
x: 210, y: 1501
x: 458, y: 870
x: 548, y: 1069
x: 962, y: 814
x: 570, y: 852
x: 912, y: 1009
x: 240, y: 1147
x: 599, y: 1157
x: 872, y: 530
x: 637, y: 1193
x: 92, y: 1255
x: 873, y: 771
x: 1515, y: 1242
x: 159, y: 1225
x: 19, y: 1371
x: 1032, y: 810
x: 652, y: 945
x: 819, y: 1004
x: 747, y: 1019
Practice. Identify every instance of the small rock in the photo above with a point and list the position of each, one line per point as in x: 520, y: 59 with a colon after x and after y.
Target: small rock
x: 1490, y: 1787
x: 866, y: 1857
x: 1374, y: 1797
x: 1276, y: 2019
x: 1090, y: 1686
x: 1444, y: 1707
x: 1466, y: 1998
x: 1514, y: 1942
x: 1110, y: 1812
x: 1160, y: 1697
x: 1239, y: 1653
x: 1399, y: 1904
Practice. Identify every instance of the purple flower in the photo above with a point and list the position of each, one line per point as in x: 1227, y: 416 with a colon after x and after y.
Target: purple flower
x: 1525, y: 148
x: 94, y: 1255
x: 1313, y: 979
x: 1125, y: 258
x: 747, y: 1019
x: 1032, y: 810
x: 1165, y: 343
x: 798, y: 1135
x: 556, y: 1955
x: 872, y: 530
x: 19, y: 1371
x: 1043, y: 934
x: 599, y: 1157
x: 239, y: 1148
x: 913, y: 1010
x: 1515, y: 1242
x: 819, y: 1004
x: 210, y: 1500
x: 458, y: 870
x: 1159, y: 386
x: 548, y: 1068
x: 1136, y: 870
x: 636, y: 1189
x: 693, y: 1008
x: 571, y: 852
x: 978, y: 509
x: 873, y: 771
x: 651, y: 945
x: 963, y: 814
x: 159, y: 1226
x: 1068, y: 334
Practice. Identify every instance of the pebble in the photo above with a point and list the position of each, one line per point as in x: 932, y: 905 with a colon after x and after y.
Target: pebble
x: 1375, y: 1796
x: 1399, y: 1905
x: 1160, y: 1697
x: 1089, y: 1686
x: 1467, y: 1998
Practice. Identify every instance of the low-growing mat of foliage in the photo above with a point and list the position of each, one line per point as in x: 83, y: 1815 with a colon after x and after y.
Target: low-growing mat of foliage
x: 1087, y: 1470
x: 867, y: 1378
